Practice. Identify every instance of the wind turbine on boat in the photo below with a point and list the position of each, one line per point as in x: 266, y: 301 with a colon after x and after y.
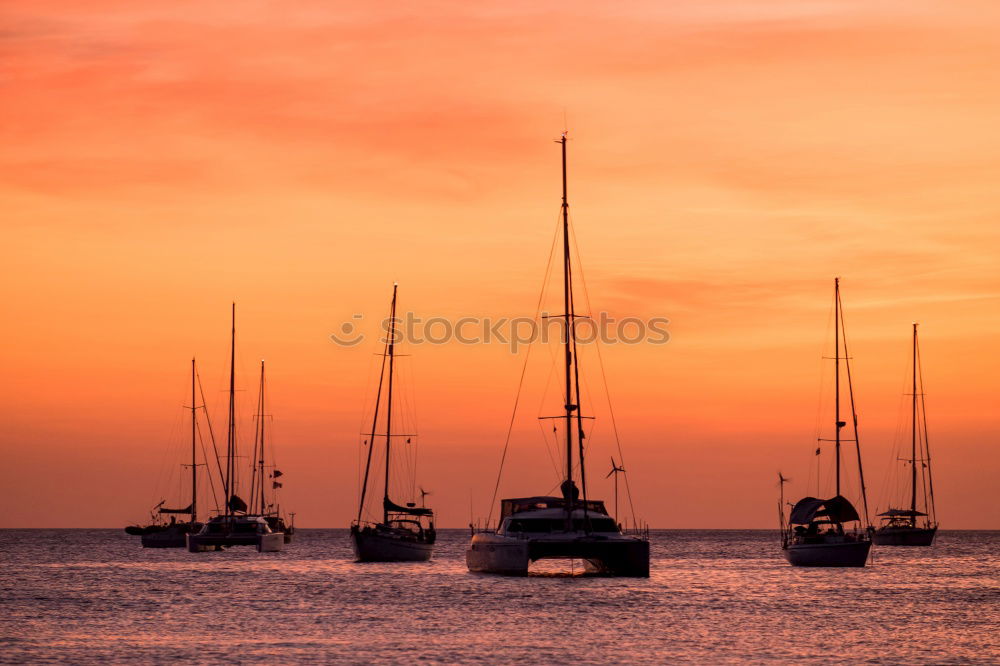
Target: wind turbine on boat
x: 615, y: 471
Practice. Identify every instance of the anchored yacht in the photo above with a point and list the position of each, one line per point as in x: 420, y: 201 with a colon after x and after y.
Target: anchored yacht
x: 234, y: 527
x: 911, y: 526
x: 567, y: 527
x: 815, y: 534
x: 406, y: 532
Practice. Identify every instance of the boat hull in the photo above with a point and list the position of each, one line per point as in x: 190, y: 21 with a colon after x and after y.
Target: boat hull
x: 168, y: 538
x: 835, y: 554
x: 372, y: 546
x: 163, y: 536
x: 264, y: 543
x: 271, y: 543
x: 490, y: 553
x: 905, y: 536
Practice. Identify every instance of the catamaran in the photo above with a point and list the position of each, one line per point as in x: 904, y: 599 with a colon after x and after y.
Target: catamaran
x: 912, y: 527
x: 173, y: 534
x: 234, y: 527
x: 569, y: 526
x: 815, y: 534
x: 406, y: 532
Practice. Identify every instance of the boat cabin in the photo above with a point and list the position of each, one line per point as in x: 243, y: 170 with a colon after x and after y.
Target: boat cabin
x: 236, y: 525
x: 547, y: 515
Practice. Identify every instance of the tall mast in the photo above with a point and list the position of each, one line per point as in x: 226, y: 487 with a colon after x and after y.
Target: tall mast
x: 194, y: 436
x: 230, y: 483
x: 913, y: 437
x: 388, y: 406
x: 836, y: 360
x: 260, y: 419
x: 568, y: 334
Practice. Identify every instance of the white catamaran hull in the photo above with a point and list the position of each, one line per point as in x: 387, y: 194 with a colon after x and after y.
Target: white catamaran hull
x: 905, y: 536
x: 265, y: 543
x: 842, y: 554
x: 370, y: 546
x: 491, y: 553
x: 271, y: 543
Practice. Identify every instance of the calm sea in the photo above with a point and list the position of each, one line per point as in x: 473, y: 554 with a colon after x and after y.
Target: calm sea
x: 714, y: 596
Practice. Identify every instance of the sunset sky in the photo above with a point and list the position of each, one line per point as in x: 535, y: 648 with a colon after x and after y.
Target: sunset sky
x: 728, y: 159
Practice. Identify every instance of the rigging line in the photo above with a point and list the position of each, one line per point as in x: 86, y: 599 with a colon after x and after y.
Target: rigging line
x: 211, y: 433
x: 254, y: 471
x: 571, y: 324
x: 604, y: 379
x: 371, y: 438
x: 924, y: 473
x: 174, y: 450
x: 890, y: 487
x: 364, y: 416
x: 927, y: 445
x: 408, y: 422
x: 544, y: 430
x: 510, y: 428
x: 208, y: 469
x: 552, y: 445
x: 854, y: 412
x: 524, y: 369
x: 168, y: 454
x: 818, y: 429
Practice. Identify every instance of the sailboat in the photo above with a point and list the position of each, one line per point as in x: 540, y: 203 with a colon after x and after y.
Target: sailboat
x: 815, y: 534
x: 173, y: 534
x: 406, y: 532
x: 264, y: 484
x: 567, y: 526
x: 901, y: 527
x: 234, y: 526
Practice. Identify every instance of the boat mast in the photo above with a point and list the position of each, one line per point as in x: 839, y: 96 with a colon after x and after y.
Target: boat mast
x: 230, y: 482
x: 913, y: 437
x: 568, y: 333
x: 836, y: 360
x: 388, y: 406
x: 194, y: 436
x: 260, y: 419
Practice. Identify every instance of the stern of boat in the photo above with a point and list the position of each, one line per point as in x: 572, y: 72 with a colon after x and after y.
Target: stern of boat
x: 272, y: 542
x: 492, y: 553
x: 910, y: 536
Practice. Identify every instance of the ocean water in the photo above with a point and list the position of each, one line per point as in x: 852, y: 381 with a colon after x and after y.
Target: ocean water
x: 85, y: 596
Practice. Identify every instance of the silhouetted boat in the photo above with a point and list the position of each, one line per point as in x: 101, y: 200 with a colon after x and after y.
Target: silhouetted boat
x: 406, y: 532
x: 901, y: 527
x: 234, y: 527
x: 815, y: 535
x: 173, y: 534
x: 566, y: 527
x: 264, y: 484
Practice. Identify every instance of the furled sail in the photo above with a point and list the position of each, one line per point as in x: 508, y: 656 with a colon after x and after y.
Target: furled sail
x: 837, y: 509
x: 236, y: 504
x: 187, y: 509
x: 389, y: 505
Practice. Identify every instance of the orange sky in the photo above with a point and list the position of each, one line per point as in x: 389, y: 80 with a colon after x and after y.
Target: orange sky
x: 728, y: 159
